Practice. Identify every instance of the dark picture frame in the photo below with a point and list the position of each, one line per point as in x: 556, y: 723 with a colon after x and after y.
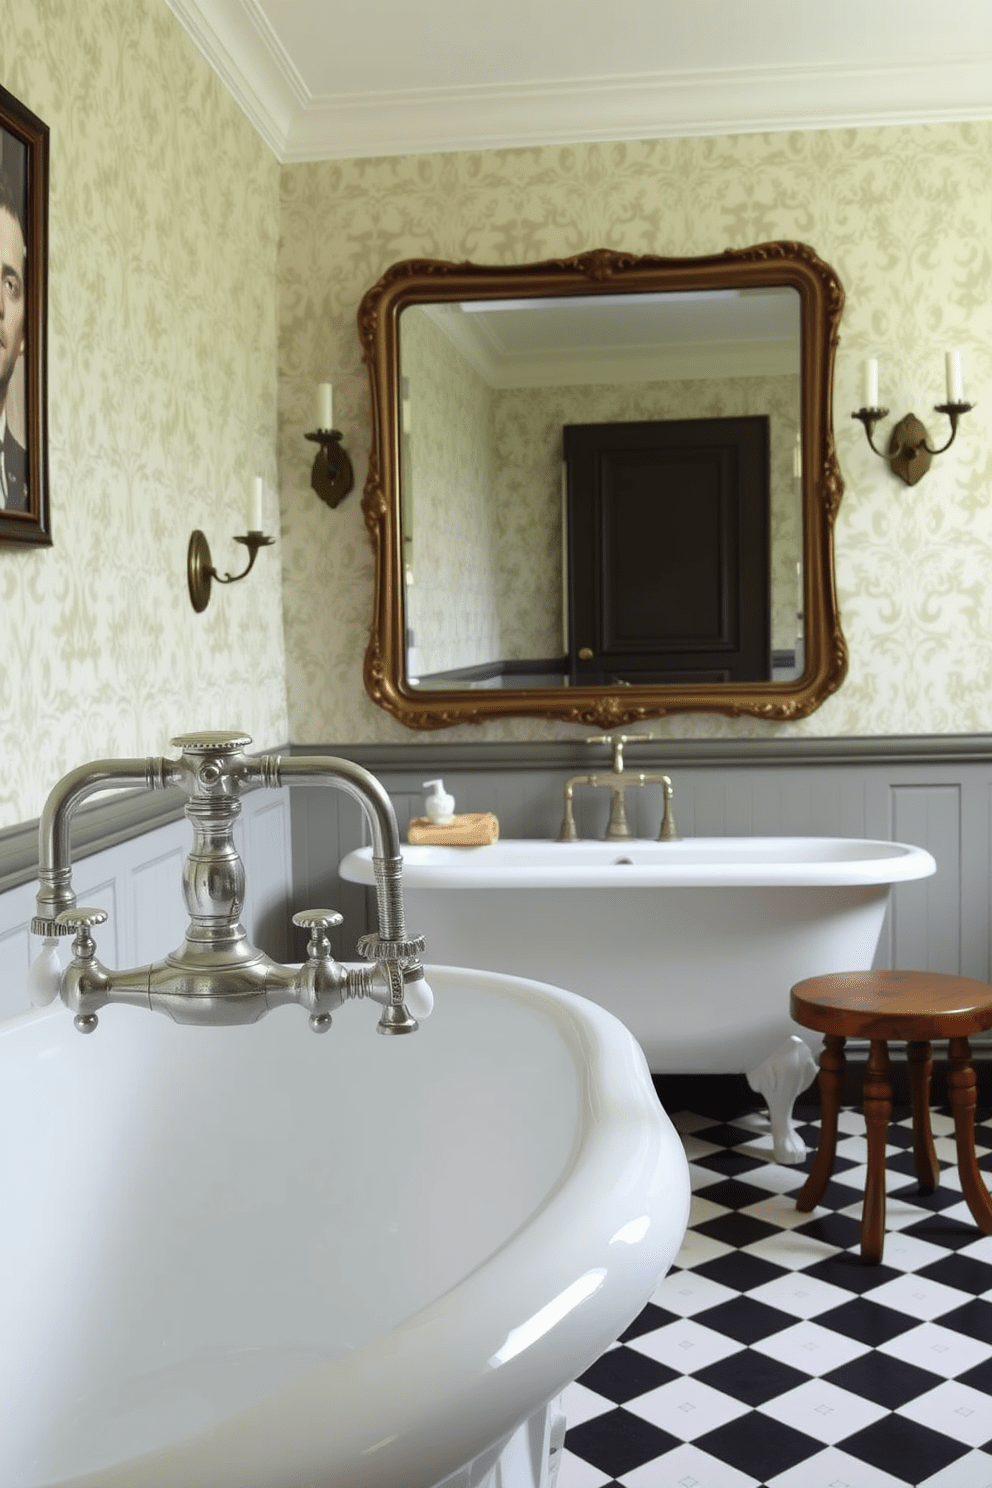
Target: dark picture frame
x: 24, y: 513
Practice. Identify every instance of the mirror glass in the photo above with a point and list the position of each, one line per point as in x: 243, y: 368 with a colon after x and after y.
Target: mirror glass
x: 507, y: 576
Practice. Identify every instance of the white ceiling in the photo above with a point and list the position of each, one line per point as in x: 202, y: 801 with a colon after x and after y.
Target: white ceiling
x: 327, y: 79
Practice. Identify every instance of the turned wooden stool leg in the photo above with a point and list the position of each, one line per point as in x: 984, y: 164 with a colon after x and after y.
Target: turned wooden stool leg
x: 831, y: 1079
x: 919, y: 1057
x: 878, y: 1109
x: 961, y: 1089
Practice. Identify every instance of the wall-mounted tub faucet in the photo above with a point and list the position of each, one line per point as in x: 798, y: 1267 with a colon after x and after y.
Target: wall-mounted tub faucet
x: 217, y: 976
x: 618, y: 782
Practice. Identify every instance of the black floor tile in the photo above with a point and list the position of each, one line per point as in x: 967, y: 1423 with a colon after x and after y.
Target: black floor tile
x: 866, y: 1321
x: 624, y: 1373
x: 736, y: 1229
x: 903, y: 1448
x: 742, y: 1272
x: 618, y: 1441
x: 751, y: 1378
x: 758, y: 1445
x: 885, y: 1380
x: 745, y: 1320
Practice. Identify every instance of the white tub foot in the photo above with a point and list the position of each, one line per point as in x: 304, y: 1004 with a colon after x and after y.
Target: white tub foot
x: 780, y: 1079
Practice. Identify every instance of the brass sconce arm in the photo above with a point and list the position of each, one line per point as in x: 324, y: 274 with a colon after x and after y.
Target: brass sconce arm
x: 909, y: 455
x: 201, y: 573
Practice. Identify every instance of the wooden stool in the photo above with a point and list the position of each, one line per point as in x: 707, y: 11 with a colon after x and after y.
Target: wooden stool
x: 916, y: 1006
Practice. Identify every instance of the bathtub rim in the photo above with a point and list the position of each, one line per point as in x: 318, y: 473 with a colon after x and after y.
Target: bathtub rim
x: 494, y: 867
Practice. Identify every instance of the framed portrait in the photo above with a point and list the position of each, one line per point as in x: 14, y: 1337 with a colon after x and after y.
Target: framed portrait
x: 23, y: 325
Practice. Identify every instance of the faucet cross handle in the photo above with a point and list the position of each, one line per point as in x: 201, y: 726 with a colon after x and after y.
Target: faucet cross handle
x: 79, y: 922
x: 318, y: 922
x: 618, y: 741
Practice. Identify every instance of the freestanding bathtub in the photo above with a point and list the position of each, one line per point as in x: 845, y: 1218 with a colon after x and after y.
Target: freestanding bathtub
x: 693, y: 944
x: 251, y: 1258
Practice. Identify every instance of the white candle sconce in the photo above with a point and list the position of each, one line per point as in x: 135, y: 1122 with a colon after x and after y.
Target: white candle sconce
x: 332, y: 476
x: 909, y: 456
x: 200, y: 571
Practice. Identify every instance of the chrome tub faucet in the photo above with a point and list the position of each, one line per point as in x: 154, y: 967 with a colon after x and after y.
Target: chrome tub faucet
x: 217, y: 976
x: 618, y: 782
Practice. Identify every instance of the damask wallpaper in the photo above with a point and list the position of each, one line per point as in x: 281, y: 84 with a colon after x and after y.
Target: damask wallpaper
x: 449, y: 532
x: 904, y: 215
x: 162, y: 402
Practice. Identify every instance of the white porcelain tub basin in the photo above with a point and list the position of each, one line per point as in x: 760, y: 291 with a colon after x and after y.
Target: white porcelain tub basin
x: 693, y: 944
x: 252, y: 1258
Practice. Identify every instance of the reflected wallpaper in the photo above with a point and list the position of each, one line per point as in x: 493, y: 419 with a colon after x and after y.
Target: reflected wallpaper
x: 904, y: 215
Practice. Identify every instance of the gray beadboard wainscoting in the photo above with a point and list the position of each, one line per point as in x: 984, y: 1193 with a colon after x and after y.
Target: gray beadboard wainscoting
x: 936, y: 792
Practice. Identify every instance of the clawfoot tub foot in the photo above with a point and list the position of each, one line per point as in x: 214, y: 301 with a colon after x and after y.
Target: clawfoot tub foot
x: 780, y: 1079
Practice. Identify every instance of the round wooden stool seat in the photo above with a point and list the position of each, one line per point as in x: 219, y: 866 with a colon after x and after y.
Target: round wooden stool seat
x: 917, y: 1007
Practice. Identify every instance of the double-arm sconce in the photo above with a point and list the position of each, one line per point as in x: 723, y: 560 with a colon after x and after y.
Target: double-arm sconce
x: 332, y: 476
x: 200, y: 571
x: 909, y: 456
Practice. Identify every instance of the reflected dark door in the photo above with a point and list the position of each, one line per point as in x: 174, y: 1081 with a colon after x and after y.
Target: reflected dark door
x: 668, y: 538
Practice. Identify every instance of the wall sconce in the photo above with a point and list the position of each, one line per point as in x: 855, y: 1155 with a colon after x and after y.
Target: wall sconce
x: 200, y: 571
x: 332, y: 476
x: 909, y: 456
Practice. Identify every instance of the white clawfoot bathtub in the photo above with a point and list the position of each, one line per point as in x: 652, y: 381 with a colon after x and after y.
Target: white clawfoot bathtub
x: 693, y: 944
x: 251, y: 1258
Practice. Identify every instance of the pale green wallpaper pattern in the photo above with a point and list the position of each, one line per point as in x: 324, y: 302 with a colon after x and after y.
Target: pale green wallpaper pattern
x: 905, y: 217
x: 448, y: 482
x: 162, y: 401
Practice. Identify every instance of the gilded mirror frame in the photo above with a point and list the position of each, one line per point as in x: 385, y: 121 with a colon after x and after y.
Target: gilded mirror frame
x: 429, y: 281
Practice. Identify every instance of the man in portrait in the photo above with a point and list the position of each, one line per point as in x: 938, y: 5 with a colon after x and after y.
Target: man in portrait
x: 13, y: 457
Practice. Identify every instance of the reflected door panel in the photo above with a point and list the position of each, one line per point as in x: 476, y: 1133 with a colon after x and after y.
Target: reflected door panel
x: 668, y: 551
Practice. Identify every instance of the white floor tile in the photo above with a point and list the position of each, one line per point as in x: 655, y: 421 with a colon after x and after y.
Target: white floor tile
x: 777, y: 1178
x: 580, y: 1404
x: 823, y: 1411
x: 907, y: 1253
x: 958, y: 1411
x: 701, y: 1210
x: 685, y: 1293
x: 792, y: 1250
x: 980, y: 1249
x: 835, y: 1469
x: 941, y: 1350
x: 686, y: 1408
x: 685, y: 1467
x: 574, y: 1473
x: 686, y: 1346
x: 696, y: 1146
x: 974, y: 1470
x: 697, y: 1248
x: 917, y: 1296
x: 798, y: 1295
x: 809, y: 1347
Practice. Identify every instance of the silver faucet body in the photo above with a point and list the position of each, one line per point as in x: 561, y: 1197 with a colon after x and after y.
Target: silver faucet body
x: 217, y: 976
x: 618, y: 781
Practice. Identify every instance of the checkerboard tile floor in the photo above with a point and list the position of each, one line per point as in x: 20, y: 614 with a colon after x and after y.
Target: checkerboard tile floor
x: 770, y: 1357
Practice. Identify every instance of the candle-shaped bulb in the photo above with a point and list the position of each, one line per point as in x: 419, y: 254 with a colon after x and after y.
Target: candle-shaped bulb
x: 955, y: 382
x: 255, y: 505
x: 325, y: 406
x: 870, y: 385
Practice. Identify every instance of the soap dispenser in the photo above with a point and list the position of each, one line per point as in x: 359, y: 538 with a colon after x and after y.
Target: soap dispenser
x: 440, y: 806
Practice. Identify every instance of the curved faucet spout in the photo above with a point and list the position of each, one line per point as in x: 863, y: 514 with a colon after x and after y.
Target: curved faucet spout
x: 54, y: 853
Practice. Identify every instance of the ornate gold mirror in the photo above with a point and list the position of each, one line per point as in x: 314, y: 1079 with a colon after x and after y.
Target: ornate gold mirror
x: 679, y: 560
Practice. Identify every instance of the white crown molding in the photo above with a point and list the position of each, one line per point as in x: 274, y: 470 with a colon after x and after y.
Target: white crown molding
x: 238, y: 42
